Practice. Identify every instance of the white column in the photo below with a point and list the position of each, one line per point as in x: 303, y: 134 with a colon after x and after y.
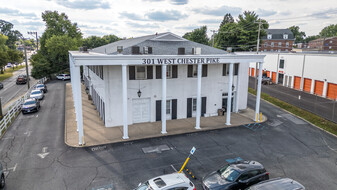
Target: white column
x: 78, y: 107
x: 325, y: 88
x: 229, y: 97
x: 312, y: 89
x: 163, y: 100
x: 73, y: 86
x: 258, y: 94
x: 237, y: 94
x: 197, y: 118
x: 125, y: 103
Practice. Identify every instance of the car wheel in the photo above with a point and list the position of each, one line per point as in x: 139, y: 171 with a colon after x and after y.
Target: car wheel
x: 2, y: 181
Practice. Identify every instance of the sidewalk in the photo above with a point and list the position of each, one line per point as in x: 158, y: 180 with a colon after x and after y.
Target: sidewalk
x: 95, y: 133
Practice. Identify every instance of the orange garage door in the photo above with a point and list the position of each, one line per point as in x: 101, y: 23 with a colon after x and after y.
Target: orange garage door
x: 297, y: 82
x: 332, y: 91
x: 273, y: 77
x: 319, y: 87
x: 307, y: 85
x: 253, y: 72
x: 268, y: 74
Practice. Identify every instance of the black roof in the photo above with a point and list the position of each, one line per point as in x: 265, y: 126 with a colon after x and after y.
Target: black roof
x: 277, y: 34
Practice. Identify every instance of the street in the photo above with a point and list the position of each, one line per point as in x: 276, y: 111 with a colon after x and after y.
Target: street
x: 35, y: 157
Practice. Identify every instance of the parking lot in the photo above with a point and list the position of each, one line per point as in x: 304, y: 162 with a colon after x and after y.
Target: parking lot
x: 287, y: 146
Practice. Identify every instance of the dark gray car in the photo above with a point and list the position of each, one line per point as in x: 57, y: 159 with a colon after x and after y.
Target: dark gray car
x: 237, y: 175
x: 2, y: 178
x: 278, y: 184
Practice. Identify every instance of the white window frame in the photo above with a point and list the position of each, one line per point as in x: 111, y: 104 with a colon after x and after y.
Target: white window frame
x: 272, y: 44
x: 279, y: 44
x: 145, y: 73
x: 269, y: 36
x: 194, y: 107
x: 287, y: 44
x: 265, y: 44
x: 285, y: 36
x: 195, y: 70
x: 168, y: 109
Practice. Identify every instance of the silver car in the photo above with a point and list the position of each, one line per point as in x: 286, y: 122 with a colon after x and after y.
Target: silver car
x: 2, y: 179
x: 37, y: 94
x: 278, y: 184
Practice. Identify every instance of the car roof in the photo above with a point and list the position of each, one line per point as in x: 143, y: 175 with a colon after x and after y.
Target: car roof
x: 243, y: 166
x: 30, y: 99
x: 169, y: 180
x: 36, y: 90
x: 278, y: 184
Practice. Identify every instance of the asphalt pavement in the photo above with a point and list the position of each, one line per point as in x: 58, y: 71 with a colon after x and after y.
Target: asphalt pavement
x: 35, y: 156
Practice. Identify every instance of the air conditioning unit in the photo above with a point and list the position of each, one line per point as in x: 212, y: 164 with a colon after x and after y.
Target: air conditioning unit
x: 119, y: 49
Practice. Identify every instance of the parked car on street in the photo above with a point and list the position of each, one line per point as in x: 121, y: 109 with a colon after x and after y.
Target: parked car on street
x: 266, y: 80
x: 2, y: 178
x: 30, y: 105
x: 167, y: 182
x: 22, y: 79
x: 42, y: 87
x: 63, y: 77
x: 1, y: 85
x: 278, y: 184
x: 236, y: 175
x: 37, y: 94
x: 9, y: 65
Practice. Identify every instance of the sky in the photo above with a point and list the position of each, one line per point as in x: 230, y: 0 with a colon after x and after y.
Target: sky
x: 133, y: 18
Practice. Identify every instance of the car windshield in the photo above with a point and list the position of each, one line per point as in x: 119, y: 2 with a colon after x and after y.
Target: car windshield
x: 144, y: 186
x: 229, y: 174
x: 29, y: 103
x: 36, y: 92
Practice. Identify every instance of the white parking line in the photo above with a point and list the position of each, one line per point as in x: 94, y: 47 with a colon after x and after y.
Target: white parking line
x: 173, y: 168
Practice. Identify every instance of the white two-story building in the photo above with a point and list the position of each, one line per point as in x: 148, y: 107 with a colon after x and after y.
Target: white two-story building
x: 160, y: 77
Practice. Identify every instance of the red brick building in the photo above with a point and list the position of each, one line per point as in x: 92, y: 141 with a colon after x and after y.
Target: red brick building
x: 323, y: 44
x: 279, y: 40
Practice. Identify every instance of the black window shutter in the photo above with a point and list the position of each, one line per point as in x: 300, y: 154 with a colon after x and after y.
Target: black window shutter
x: 224, y: 69
x: 132, y: 72
x: 236, y: 68
x: 174, y: 71
x: 158, y: 72
x: 189, y: 107
x: 181, y: 51
x: 149, y: 50
x: 149, y: 72
x: 174, y: 109
x: 158, y: 110
x: 135, y: 49
x: 203, y: 106
x: 192, y: 51
x: 204, y: 70
x: 190, y: 71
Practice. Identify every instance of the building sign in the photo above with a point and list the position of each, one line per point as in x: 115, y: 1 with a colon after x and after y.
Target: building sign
x: 179, y: 61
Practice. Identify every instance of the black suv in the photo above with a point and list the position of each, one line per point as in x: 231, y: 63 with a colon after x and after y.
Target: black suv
x: 236, y: 175
x: 22, y: 79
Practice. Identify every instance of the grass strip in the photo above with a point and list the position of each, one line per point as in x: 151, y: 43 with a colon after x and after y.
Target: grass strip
x: 9, y: 72
x: 312, y: 118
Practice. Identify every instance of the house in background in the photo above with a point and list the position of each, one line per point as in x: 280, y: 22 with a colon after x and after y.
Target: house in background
x: 278, y: 40
x: 323, y: 44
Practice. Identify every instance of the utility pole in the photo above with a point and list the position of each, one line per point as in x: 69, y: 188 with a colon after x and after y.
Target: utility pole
x: 257, y: 52
x: 24, y: 46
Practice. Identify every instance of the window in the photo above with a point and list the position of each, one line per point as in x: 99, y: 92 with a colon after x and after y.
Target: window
x: 195, y: 70
x: 269, y: 36
x: 181, y: 51
x: 140, y: 72
x: 279, y: 50
x: 265, y: 44
x: 271, y: 50
x: 135, y: 50
x: 287, y: 44
x: 168, y: 106
x: 194, y: 104
x: 169, y: 71
x: 265, y: 50
x: 236, y: 69
x: 281, y: 64
x: 329, y: 47
x: 272, y: 44
x: 280, y: 44
x: 285, y: 36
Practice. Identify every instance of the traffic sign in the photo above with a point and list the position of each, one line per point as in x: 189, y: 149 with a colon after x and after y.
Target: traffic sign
x: 192, y: 150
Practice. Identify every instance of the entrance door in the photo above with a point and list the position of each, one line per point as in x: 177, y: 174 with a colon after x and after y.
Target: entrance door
x: 273, y: 77
x: 224, y: 104
x: 280, y: 78
x: 297, y: 82
x: 332, y: 91
x: 319, y: 87
x: 168, y: 109
x: 307, y: 85
x: 141, y: 110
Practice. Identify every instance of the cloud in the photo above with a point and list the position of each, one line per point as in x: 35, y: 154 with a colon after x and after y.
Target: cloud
x: 325, y: 14
x: 179, y: 2
x: 211, y: 21
x: 84, y: 4
x: 28, y: 23
x: 165, y: 15
x: 265, y: 13
x: 132, y: 16
x: 221, y: 11
x: 137, y: 25
x: 188, y: 27
x: 14, y: 12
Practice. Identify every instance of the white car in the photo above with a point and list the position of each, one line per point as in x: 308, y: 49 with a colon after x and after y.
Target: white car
x: 166, y: 182
x: 37, y: 94
x: 63, y: 77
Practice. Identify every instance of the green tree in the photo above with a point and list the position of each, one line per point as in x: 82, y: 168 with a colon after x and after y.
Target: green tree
x: 111, y: 38
x: 227, y: 19
x: 94, y: 41
x: 329, y: 31
x: 41, y: 66
x: 198, y: 35
x: 6, y: 28
x: 14, y: 56
x: 309, y: 38
x: 3, y: 40
x: 299, y: 35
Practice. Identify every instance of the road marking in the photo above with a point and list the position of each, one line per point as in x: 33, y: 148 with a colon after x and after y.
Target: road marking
x: 5, y: 138
x: 44, y: 153
x: 173, y: 168
x: 37, y: 115
x: 28, y: 133
x: 12, y: 168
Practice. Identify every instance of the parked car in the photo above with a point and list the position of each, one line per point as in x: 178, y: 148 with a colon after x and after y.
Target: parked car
x: 1, y: 85
x: 236, y: 175
x: 9, y: 65
x: 37, y: 94
x: 63, y: 77
x: 278, y: 184
x: 166, y: 182
x: 42, y: 87
x: 266, y: 80
x: 2, y: 179
x: 22, y: 79
x: 30, y: 105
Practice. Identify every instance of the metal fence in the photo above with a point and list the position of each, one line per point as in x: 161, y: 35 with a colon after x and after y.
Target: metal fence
x: 14, y: 109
